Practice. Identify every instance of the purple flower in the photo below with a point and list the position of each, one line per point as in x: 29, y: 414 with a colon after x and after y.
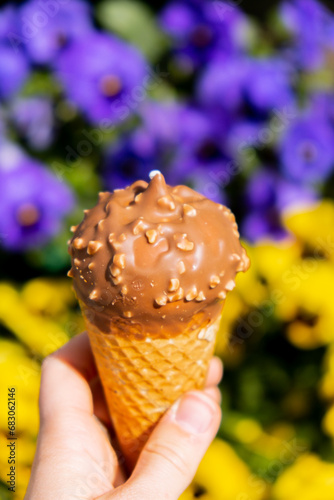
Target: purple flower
x: 268, y: 84
x: 267, y: 195
x: 130, y: 158
x: 188, y: 128
x: 198, y: 133
x: 201, y: 30
x: 181, y: 141
x: 266, y: 188
x: 322, y: 104
x: 152, y: 145
x: 162, y: 120
x: 46, y: 27
x: 244, y: 135
x: 222, y: 83
x: 208, y: 180
x: 8, y: 20
x: 312, y: 26
x: 14, y: 71
x: 258, y: 225
x: 105, y: 77
x: 32, y: 203
x: 34, y: 119
x: 203, y: 165
x: 14, y: 68
x: 189, y: 145
x: 306, y: 149
x: 136, y: 155
x: 230, y: 83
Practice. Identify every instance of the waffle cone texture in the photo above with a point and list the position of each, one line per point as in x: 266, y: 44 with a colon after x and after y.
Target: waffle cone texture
x: 143, y: 378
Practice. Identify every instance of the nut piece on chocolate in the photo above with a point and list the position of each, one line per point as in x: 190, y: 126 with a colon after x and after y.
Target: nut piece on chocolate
x: 155, y: 256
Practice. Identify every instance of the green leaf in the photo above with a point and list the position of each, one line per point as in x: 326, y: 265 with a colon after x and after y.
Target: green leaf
x: 135, y: 22
x: 41, y: 83
x: 54, y: 256
x: 4, y: 493
x: 81, y: 176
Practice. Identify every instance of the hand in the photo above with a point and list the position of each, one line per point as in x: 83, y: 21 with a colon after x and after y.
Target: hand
x: 75, y: 458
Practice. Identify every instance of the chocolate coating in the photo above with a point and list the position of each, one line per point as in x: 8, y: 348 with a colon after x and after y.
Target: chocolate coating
x: 155, y: 259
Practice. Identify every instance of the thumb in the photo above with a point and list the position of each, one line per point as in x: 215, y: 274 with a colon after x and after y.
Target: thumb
x: 170, y: 458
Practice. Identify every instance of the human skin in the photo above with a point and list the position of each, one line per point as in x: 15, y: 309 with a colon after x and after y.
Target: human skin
x: 76, y: 455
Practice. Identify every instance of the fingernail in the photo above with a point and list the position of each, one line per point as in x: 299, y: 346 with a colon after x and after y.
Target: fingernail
x: 194, y: 413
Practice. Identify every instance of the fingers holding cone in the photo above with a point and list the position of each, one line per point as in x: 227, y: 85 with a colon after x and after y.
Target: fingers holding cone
x: 214, y: 376
x: 171, y: 456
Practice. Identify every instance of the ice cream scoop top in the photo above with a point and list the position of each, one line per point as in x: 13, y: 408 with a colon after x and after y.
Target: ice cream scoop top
x: 155, y: 258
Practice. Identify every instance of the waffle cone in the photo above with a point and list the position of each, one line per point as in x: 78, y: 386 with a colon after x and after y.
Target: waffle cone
x: 142, y: 378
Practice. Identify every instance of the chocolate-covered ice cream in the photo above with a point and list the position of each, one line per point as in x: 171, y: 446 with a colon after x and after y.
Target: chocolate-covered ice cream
x: 155, y: 258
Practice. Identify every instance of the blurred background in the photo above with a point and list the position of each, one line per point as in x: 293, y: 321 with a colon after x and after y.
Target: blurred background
x: 233, y: 98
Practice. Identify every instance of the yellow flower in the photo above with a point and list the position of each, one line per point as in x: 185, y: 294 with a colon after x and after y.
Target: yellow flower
x: 299, y: 292
x: 23, y: 476
x: 299, y: 288
x: 48, y: 296
x: 19, y: 371
x: 249, y: 286
x: 278, y: 443
x: 314, y: 312
x: 309, y: 478
x: 328, y: 422
x: 25, y: 448
x: 273, y: 278
x: 41, y: 335
x: 222, y: 475
x: 314, y: 227
x: 24, y: 458
x: 275, y: 262
x: 238, y: 303
x: 233, y: 309
x: 247, y: 430
x: 275, y: 443
x: 189, y: 495
x: 307, y: 282
x: 273, y: 259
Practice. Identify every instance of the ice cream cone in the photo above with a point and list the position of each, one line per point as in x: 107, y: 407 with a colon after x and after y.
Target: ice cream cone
x: 142, y: 378
x: 151, y: 267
